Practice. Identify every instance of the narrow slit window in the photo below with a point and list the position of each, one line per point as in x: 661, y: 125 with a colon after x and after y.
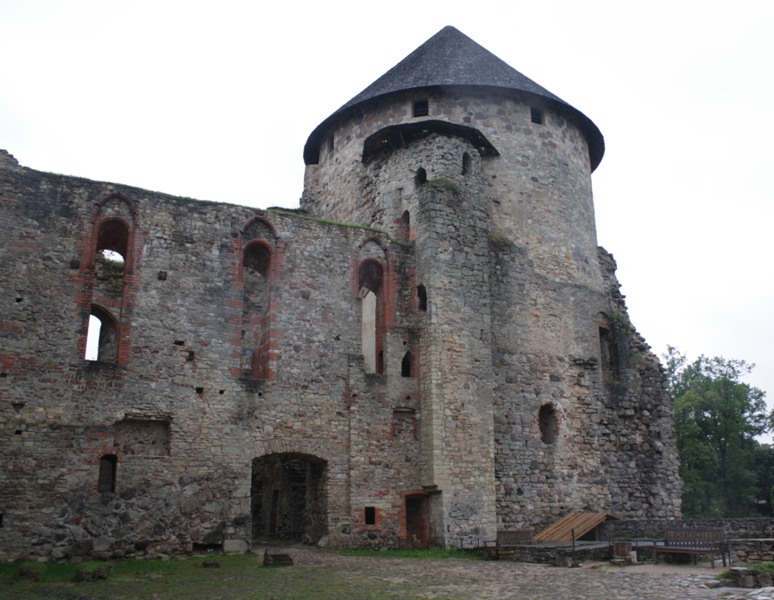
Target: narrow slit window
x: 422, y: 297
x: 536, y: 115
x: 370, y: 515
x: 466, y: 164
x: 421, y: 177
x: 405, y: 226
x: 421, y: 108
x: 107, y: 473
x: 547, y: 423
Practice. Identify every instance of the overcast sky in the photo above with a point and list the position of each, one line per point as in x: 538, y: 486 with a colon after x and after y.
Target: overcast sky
x: 215, y: 101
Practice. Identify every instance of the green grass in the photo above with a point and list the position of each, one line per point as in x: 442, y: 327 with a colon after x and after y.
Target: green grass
x: 239, y: 577
x: 416, y: 553
x: 320, y: 220
x: 496, y: 238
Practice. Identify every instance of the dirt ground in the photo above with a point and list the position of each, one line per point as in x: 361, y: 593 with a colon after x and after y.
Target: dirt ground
x: 326, y: 575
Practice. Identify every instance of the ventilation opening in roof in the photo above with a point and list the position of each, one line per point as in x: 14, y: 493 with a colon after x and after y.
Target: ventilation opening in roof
x: 421, y: 108
x: 536, y: 115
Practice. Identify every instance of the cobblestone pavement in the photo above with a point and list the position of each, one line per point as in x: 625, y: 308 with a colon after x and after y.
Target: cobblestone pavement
x: 458, y: 579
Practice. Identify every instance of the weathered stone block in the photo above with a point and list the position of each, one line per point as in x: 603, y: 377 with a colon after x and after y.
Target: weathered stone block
x: 235, y: 546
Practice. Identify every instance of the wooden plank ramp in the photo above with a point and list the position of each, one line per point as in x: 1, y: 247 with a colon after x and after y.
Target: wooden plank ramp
x: 581, y: 522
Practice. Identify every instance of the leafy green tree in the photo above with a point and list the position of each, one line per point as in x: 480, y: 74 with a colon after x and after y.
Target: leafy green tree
x: 717, y: 417
x: 763, y: 461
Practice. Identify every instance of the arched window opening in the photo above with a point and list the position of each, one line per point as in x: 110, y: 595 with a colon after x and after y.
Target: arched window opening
x: 407, y: 365
x: 110, y: 262
x: 547, y: 422
x: 466, y: 164
x: 107, y: 473
x: 102, y: 336
x: 422, y: 297
x: 405, y: 226
x: 256, y: 267
x: 109, y: 273
x: 370, y: 275
x: 421, y: 177
x: 113, y: 235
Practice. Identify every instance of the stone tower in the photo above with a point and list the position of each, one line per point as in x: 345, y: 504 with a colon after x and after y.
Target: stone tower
x: 537, y: 395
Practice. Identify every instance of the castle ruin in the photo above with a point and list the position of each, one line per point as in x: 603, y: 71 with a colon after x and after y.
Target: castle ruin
x: 431, y: 348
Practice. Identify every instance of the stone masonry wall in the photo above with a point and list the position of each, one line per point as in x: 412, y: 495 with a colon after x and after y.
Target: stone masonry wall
x: 185, y: 478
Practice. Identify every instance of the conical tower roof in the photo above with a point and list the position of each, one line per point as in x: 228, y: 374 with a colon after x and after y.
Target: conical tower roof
x: 452, y: 59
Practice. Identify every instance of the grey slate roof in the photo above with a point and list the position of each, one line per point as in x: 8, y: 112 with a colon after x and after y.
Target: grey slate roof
x: 450, y: 58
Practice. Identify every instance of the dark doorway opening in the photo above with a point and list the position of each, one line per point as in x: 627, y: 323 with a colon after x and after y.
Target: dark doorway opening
x: 288, y: 498
x: 417, y: 522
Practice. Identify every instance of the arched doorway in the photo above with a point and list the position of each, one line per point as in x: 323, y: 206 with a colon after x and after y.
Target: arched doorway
x: 288, y: 498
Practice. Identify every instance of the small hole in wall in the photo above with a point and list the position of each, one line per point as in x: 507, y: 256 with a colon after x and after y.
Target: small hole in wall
x: 536, y: 115
x: 260, y: 394
x: 370, y: 515
x: 190, y: 356
x: 221, y: 392
x: 179, y: 343
x: 200, y: 390
x: 162, y: 275
x: 421, y: 177
x: 18, y: 432
x: 519, y: 492
x: 1, y: 519
x: 3, y: 375
x: 19, y: 299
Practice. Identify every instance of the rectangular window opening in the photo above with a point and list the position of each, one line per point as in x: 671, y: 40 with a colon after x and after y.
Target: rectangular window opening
x: 421, y: 108
x: 370, y: 515
x: 536, y: 115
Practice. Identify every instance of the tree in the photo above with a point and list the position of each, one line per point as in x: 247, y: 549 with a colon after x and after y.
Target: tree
x: 717, y: 418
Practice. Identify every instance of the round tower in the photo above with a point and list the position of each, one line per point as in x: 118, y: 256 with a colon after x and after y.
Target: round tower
x: 524, y: 344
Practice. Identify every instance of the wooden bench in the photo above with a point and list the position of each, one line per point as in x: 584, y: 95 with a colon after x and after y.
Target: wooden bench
x: 693, y: 541
x: 507, y: 541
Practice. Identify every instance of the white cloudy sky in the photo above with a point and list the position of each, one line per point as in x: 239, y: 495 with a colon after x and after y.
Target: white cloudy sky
x: 214, y: 100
